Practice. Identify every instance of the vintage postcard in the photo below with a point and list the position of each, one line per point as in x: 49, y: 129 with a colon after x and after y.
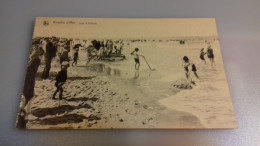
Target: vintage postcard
x: 99, y: 73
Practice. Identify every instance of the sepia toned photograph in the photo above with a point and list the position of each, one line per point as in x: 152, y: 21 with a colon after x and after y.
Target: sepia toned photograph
x: 100, y: 73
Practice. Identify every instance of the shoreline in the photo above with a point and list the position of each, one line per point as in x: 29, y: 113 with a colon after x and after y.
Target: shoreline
x: 93, y: 103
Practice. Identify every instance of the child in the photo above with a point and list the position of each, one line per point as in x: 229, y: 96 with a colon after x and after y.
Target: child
x: 61, y: 79
x: 202, y: 53
x: 136, y: 58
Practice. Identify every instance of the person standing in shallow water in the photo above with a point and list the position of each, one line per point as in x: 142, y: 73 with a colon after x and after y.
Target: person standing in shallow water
x: 60, y: 80
x: 187, y: 64
x: 136, y: 58
x: 202, y: 53
x: 210, y: 55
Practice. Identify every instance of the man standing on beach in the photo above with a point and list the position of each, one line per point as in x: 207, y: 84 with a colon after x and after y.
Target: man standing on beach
x: 50, y: 53
x: 32, y: 68
x: 61, y: 79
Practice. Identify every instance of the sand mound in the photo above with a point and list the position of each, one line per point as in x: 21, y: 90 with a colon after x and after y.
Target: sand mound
x: 182, y: 84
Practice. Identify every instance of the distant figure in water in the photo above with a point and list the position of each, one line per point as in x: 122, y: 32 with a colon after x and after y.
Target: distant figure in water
x: 61, y: 79
x: 76, y: 56
x: 210, y: 55
x: 136, y: 58
x: 186, y: 64
x: 202, y: 53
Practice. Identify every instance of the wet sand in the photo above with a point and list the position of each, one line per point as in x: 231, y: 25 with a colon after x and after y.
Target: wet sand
x: 95, y: 103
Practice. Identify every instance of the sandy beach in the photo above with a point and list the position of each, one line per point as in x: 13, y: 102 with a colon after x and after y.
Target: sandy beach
x: 113, y: 95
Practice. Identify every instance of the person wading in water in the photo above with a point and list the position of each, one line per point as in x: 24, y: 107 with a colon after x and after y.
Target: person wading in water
x: 136, y: 58
x: 187, y: 64
x: 202, y: 53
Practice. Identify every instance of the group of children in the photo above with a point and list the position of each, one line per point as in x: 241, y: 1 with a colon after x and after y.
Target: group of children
x: 187, y: 63
x: 209, y: 53
x: 104, y: 49
x: 97, y: 50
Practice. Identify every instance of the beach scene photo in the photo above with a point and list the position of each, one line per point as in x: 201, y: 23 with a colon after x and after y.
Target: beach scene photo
x: 100, y: 73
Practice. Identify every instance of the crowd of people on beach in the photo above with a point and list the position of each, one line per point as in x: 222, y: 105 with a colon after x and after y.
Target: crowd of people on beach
x: 98, y: 51
x: 51, y: 47
x: 95, y: 50
x: 67, y: 52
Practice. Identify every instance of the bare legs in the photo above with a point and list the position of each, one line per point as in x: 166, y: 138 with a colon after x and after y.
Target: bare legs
x: 190, y: 78
x: 196, y: 75
x: 212, y: 61
x: 136, y: 74
x: 59, y: 89
x: 204, y: 61
x: 137, y: 65
x: 74, y: 62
